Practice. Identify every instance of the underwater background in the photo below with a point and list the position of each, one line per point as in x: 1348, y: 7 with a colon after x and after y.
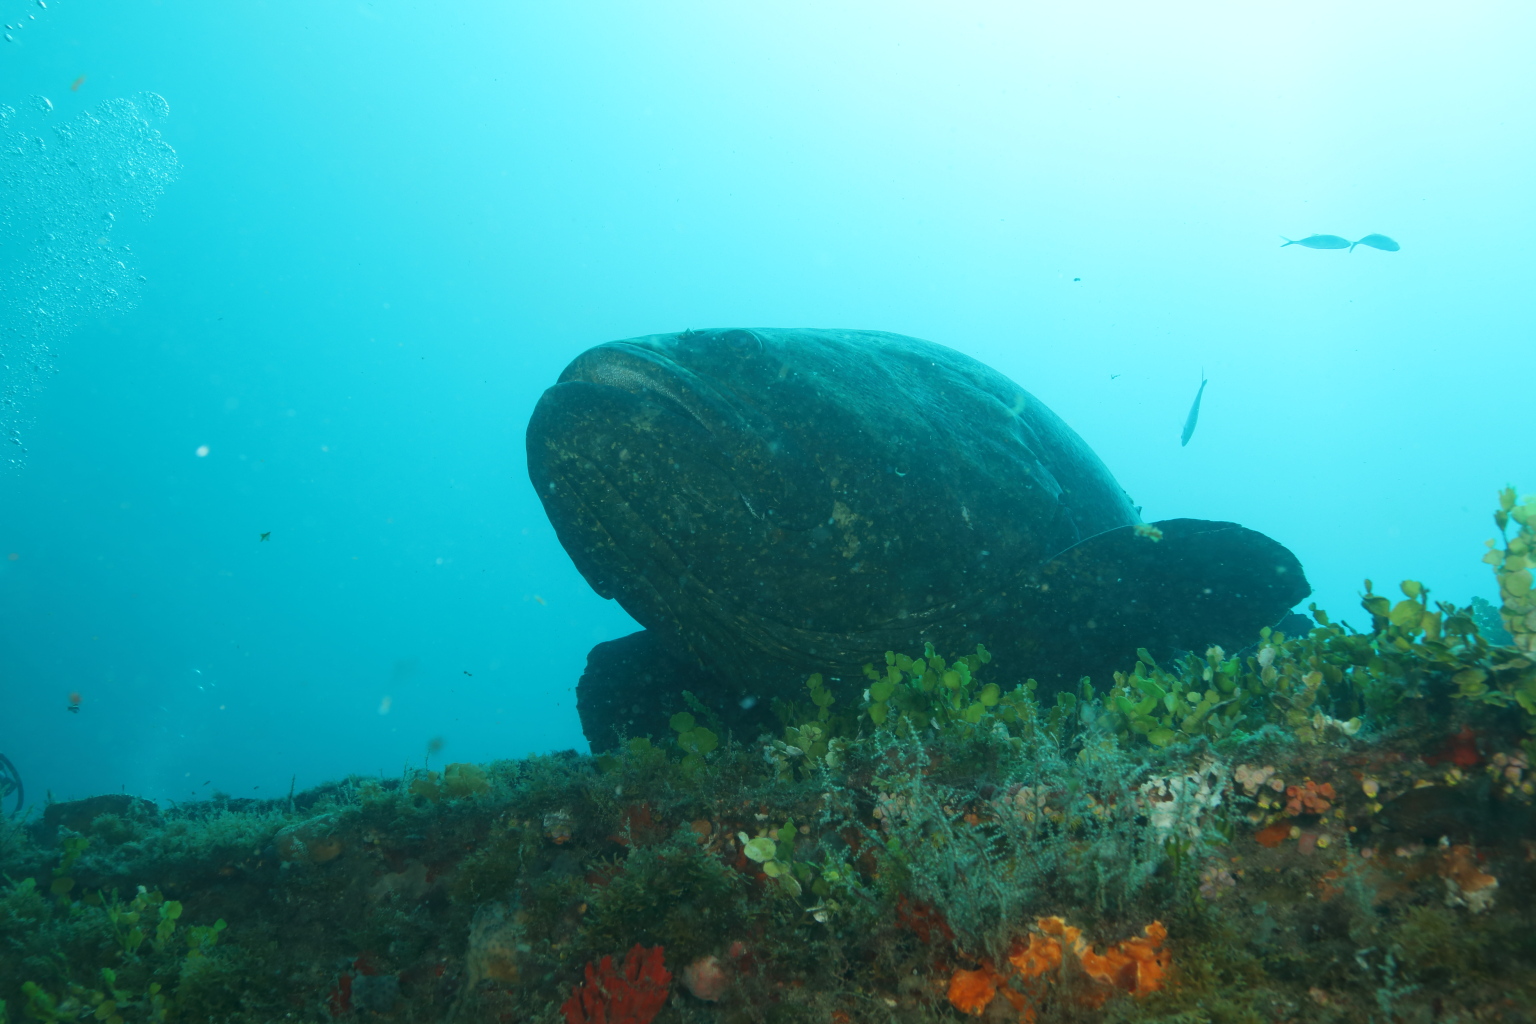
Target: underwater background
x: 303, y: 270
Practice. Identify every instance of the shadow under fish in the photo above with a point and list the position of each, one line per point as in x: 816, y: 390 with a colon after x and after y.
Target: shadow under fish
x: 1473, y: 813
x: 772, y: 503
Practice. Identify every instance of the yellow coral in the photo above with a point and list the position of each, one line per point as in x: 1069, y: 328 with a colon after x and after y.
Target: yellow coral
x: 971, y: 991
x: 1136, y: 966
x: 1041, y: 954
x: 1466, y: 884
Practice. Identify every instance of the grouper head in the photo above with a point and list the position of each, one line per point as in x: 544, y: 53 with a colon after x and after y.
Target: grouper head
x: 813, y: 498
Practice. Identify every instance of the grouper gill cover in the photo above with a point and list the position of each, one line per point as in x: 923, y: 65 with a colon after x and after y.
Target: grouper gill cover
x: 770, y: 503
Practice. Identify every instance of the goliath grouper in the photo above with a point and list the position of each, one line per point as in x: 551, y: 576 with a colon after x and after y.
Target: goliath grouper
x: 771, y: 503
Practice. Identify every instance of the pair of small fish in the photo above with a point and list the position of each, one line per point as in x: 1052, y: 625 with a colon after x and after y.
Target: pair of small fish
x: 1335, y: 242
x: 1311, y: 242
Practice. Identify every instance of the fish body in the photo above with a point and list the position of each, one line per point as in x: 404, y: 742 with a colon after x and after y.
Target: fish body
x: 1193, y: 417
x: 1381, y: 242
x: 770, y: 503
x: 1321, y: 241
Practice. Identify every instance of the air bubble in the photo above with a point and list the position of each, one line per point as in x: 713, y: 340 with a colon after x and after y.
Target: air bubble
x: 152, y: 106
x: 63, y: 181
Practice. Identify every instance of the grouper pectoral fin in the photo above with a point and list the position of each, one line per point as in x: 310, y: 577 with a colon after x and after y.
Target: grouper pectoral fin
x: 1201, y: 583
x: 632, y: 686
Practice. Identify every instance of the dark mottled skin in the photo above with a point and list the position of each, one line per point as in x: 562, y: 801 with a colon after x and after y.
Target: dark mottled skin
x: 769, y: 503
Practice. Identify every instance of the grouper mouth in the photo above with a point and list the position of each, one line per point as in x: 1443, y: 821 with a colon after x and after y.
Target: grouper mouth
x: 773, y: 479
x: 654, y: 477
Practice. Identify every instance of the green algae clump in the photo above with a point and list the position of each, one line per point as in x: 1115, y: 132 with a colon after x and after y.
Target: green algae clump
x: 1333, y: 681
x: 1512, y: 564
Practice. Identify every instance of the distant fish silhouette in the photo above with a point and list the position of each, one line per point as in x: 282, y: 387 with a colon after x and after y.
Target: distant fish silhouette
x: 10, y: 782
x: 1322, y: 241
x: 1194, y: 414
x: 1375, y: 242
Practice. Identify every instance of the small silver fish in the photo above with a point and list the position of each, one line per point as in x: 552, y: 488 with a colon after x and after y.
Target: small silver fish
x: 1319, y: 242
x: 1194, y: 414
x: 1375, y: 242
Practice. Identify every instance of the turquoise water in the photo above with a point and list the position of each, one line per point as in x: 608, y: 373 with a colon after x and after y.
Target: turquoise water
x: 350, y: 245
